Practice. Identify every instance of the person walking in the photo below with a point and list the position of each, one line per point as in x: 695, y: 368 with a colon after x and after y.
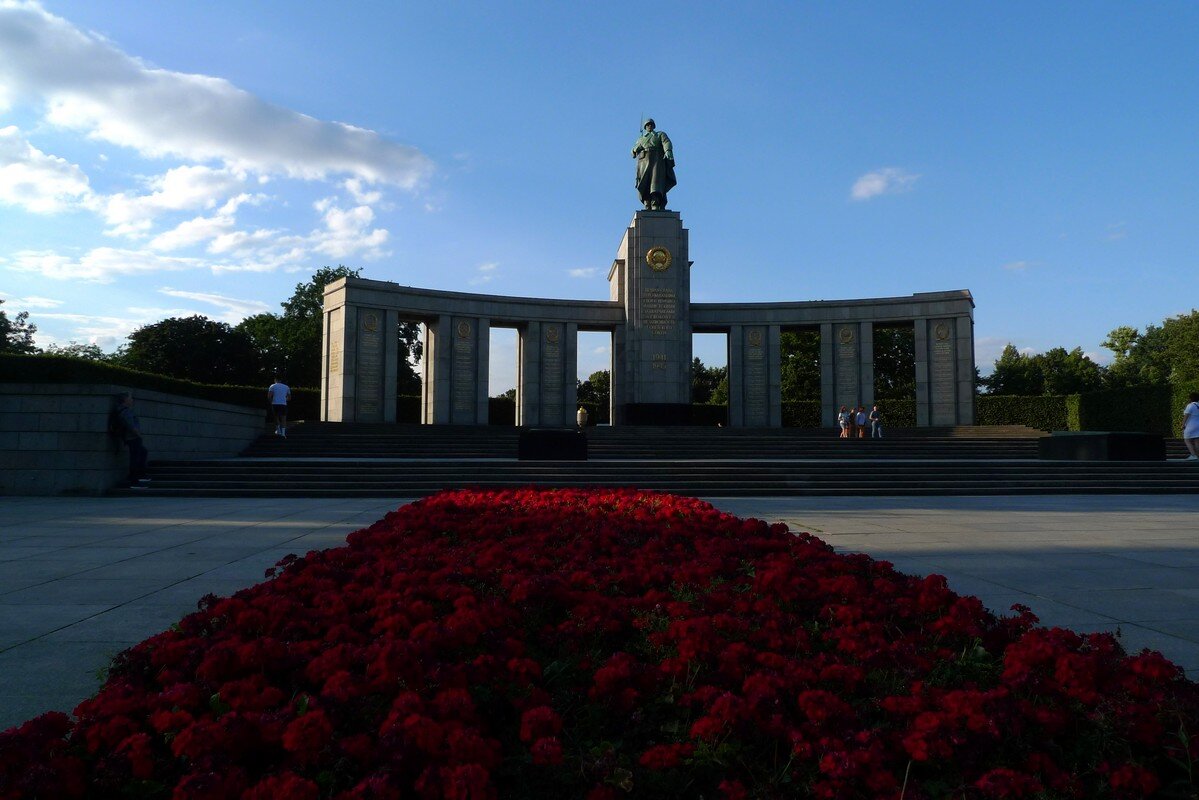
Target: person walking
x: 843, y: 422
x: 1190, y: 426
x: 278, y: 393
x: 876, y: 423
x: 861, y: 420
x: 126, y: 425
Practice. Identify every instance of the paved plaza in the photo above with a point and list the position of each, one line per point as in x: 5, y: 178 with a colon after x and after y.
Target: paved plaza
x: 83, y: 578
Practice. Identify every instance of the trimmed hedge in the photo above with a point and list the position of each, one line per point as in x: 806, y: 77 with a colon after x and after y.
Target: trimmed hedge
x: 408, y: 408
x: 709, y: 414
x: 801, y: 414
x: 305, y: 403
x: 1046, y: 413
x: 898, y: 413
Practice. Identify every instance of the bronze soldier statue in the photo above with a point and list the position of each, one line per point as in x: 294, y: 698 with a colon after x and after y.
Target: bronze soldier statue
x: 655, y: 166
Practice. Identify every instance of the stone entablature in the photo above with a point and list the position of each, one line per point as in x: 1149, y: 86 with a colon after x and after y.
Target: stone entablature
x: 651, y: 320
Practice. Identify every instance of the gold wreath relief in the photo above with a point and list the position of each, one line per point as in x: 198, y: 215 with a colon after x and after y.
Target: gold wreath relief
x: 370, y: 323
x: 659, y: 259
x: 941, y: 331
x: 551, y: 334
x: 463, y: 330
x: 845, y: 335
x: 755, y: 338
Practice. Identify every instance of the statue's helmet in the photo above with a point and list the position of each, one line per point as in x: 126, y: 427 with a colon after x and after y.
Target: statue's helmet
x: 649, y: 123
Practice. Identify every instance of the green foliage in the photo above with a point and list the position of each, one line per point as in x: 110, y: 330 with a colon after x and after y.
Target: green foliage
x: 705, y: 380
x: 87, y: 352
x: 502, y: 410
x: 709, y: 414
x: 194, y: 348
x: 895, y: 363
x: 1136, y: 408
x: 16, y: 335
x: 799, y: 353
x: 1044, y: 412
x: 597, y: 413
x: 1054, y: 372
x: 305, y: 403
x: 898, y: 412
x: 408, y: 408
x: 801, y: 413
x: 1166, y: 353
x: 596, y: 389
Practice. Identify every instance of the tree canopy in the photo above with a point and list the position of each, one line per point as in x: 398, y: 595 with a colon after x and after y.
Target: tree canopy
x: 16, y: 334
x: 195, y: 348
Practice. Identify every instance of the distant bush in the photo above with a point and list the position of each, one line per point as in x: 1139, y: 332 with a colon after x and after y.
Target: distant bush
x: 305, y: 403
x: 801, y: 414
x: 709, y: 414
x: 408, y: 407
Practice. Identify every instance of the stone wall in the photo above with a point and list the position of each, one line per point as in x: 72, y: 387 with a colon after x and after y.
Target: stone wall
x: 54, y: 438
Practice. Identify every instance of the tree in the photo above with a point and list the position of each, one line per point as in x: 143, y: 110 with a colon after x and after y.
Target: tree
x: 894, y: 363
x: 87, y: 352
x: 1069, y: 373
x: 291, y: 342
x: 596, y: 389
x: 194, y: 348
x: 1015, y: 373
x: 705, y: 380
x: 16, y: 335
x: 800, y: 365
x: 1162, y: 354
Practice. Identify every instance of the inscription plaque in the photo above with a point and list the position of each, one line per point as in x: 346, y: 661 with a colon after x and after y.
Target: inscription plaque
x: 847, y: 366
x: 551, y: 376
x: 659, y: 309
x: 335, y: 358
x: 755, y: 380
x: 464, y: 371
x: 370, y: 368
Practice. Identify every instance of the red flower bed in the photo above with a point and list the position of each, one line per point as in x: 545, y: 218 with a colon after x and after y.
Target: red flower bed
x: 609, y: 644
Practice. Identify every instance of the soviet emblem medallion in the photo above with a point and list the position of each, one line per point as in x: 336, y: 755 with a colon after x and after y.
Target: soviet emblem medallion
x: 463, y: 330
x: 658, y: 258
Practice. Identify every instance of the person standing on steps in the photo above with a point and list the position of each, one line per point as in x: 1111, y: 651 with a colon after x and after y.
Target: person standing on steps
x: 861, y: 422
x: 1190, y: 426
x: 843, y: 422
x: 126, y: 425
x: 278, y: 393
x: 876, y: 423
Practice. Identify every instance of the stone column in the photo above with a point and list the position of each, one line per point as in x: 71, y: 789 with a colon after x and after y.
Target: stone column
x: 617, y: 380
x: 547, y: 392
x: 435, y: 388
x: 964, y: 330
x: 528, y: 378
x: 736, y: 376
x: 370, y: 370
x: 937, y: 364
x: 468, y: 357
x: 847, y: 365
x: 336, y: 390
x: 657, y: 289
x: 755, y: 397
x: 828, y: 384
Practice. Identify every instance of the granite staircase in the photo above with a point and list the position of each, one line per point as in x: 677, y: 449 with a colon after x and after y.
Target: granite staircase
x: 358, y: 460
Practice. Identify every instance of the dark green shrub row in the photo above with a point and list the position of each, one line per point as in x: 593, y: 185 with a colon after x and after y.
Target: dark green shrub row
x: 709, y: 414
x: 898, y: 413
x: 305, y: 403
x: 1046, y: 413
x: 408, y: 408
x: 597, y: 413
x: 801, y: 413
x: 501, y: 411
x: 1136, y: 408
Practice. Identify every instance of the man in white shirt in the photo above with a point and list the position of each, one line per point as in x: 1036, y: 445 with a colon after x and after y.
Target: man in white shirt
x: 278, y: 393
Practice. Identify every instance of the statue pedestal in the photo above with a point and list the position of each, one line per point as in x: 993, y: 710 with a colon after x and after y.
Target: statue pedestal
x: 651, y: 277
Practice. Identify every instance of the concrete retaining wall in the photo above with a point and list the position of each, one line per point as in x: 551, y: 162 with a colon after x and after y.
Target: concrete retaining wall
x: 54, y: 438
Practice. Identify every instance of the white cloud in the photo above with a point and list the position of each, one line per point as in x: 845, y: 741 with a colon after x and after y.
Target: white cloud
x: 178, y: 189
x: 101, y: 264
x: 38, y: 182
x: 584, y: 272
x: 107, y: 332
x: 87, y: 84
x: 234, y: 310
x: 888, y: 180
x: 1116, y: 231
x: 484, y: 273
x: 1019, y: 266
x: 30, y: 302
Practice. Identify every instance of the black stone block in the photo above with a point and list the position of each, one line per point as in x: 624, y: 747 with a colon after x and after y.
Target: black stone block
x: 1102, y: 446
x: 657, y: 413
x: 551, y: 444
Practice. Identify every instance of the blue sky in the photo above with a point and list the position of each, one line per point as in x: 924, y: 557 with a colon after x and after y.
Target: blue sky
x: 169, y: 158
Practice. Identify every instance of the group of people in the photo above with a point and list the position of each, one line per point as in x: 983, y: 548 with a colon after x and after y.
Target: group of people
x: 853, y: 422
x: 124, y: 424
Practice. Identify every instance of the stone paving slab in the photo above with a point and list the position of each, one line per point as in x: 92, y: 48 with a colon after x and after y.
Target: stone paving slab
x: 83, y: 578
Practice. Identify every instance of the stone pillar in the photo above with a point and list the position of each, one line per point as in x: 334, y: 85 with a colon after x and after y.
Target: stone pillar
x: 617, y: 379
x: 736, y: 376
x: 938, y: 367
x: 964, y: 330
x: 547, y: 390
x: 828, y: 387
x: 336, y: 391
x: 755, y: 359
x: 848, y: 368
x: 657, y: 290
x: 370, y: 367
x: 435, y: 388
x: 468, y: 363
